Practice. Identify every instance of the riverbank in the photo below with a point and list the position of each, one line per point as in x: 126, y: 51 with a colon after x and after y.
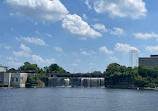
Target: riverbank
x: 148, y: 88
x: 136, y: 88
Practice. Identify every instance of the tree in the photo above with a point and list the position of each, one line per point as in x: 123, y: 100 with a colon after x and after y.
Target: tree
x: 111, y: 69
x: 12, y: 69
x: 122, y: 69
x: 140, y: 81
x: 35, y: 80
x: 96, y: 72
x: 54, y: 68
x: 30, y: 67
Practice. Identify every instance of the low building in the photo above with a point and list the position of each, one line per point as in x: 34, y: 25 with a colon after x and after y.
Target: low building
x: 5, y: 79
x: 13, y: 79
x: 3, y: 68
x: 18, y: 79
x: 151, y: 61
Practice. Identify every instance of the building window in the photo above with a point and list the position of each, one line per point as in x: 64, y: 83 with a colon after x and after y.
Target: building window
x: 12, y: 79
x: 16, y: 79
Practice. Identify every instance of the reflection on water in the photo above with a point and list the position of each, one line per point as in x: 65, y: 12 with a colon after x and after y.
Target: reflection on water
x: 77, y: 99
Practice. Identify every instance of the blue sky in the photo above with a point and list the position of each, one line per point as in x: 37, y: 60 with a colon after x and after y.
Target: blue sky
x: 79, y: 35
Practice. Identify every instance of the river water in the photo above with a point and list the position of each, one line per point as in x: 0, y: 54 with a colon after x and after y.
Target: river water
x: 77, y: 99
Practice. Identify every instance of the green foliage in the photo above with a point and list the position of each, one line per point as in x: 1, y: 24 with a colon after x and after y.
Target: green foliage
x: 12, y: 69
x: 96, y: 72
x: 141, y: 76
x: 54, y: 68
x: 30, y: 67
x: 112, y: 68
x: 34, y: 80
x: 140, y: 81
x: 148, y: 71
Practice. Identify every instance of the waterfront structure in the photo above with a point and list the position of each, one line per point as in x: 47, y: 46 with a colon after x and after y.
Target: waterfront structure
x: 151, y: 61
x: 18, y: 79
x: 76, y: 80
x: 13, y: 79
x: 5, y: 79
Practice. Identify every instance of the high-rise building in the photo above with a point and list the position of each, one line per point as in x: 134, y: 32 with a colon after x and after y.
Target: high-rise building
x: 133, y: 58
x: 151, y: 61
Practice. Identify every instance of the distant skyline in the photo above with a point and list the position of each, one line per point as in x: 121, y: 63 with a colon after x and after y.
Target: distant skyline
x: 78, y: 35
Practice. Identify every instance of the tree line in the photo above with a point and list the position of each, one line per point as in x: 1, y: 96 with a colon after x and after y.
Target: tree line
x: 116, y: 75
x: 127, y: 77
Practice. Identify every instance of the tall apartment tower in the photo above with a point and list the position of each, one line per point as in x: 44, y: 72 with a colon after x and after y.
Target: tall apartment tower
x: 133, y: 58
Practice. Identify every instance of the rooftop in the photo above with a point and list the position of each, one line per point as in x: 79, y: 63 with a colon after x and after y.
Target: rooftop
x: 153, y: 55
x: 3, y: 66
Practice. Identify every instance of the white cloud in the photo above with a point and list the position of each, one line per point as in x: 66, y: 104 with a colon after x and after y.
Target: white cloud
x: 25, y: 51
x: 12, y: 58
x: 25, y: 48
x: 105, y: 50
x: 39, y: 59
x: 51, y: 10
x: 87, y: 53
x: 37, y: 32
x: 113, y: 59
x: 58, y: 49
x: 13, y: 63
x: 88, y: 4
x: 74, y: 53
x: 100, y: 27
x: 121, y: 8
x: 146, y: 35
x: 11, y: 14
x: 33, y: 40
x: 117, y: 31
x: 5, y: 46
x: 74, y: 64
x: 152, y: 49
x: 91, y: 64
x: 124, y: 48
x: 77, y: 26
x: 21, y: 54
x: 78, y: 60
x: 49, y: 35
x: 84, y: 16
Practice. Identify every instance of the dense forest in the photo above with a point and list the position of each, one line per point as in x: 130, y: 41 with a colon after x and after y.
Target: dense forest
x: 116, y: 76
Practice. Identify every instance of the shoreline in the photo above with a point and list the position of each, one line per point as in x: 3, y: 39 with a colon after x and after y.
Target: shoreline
x: 136, y: 88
